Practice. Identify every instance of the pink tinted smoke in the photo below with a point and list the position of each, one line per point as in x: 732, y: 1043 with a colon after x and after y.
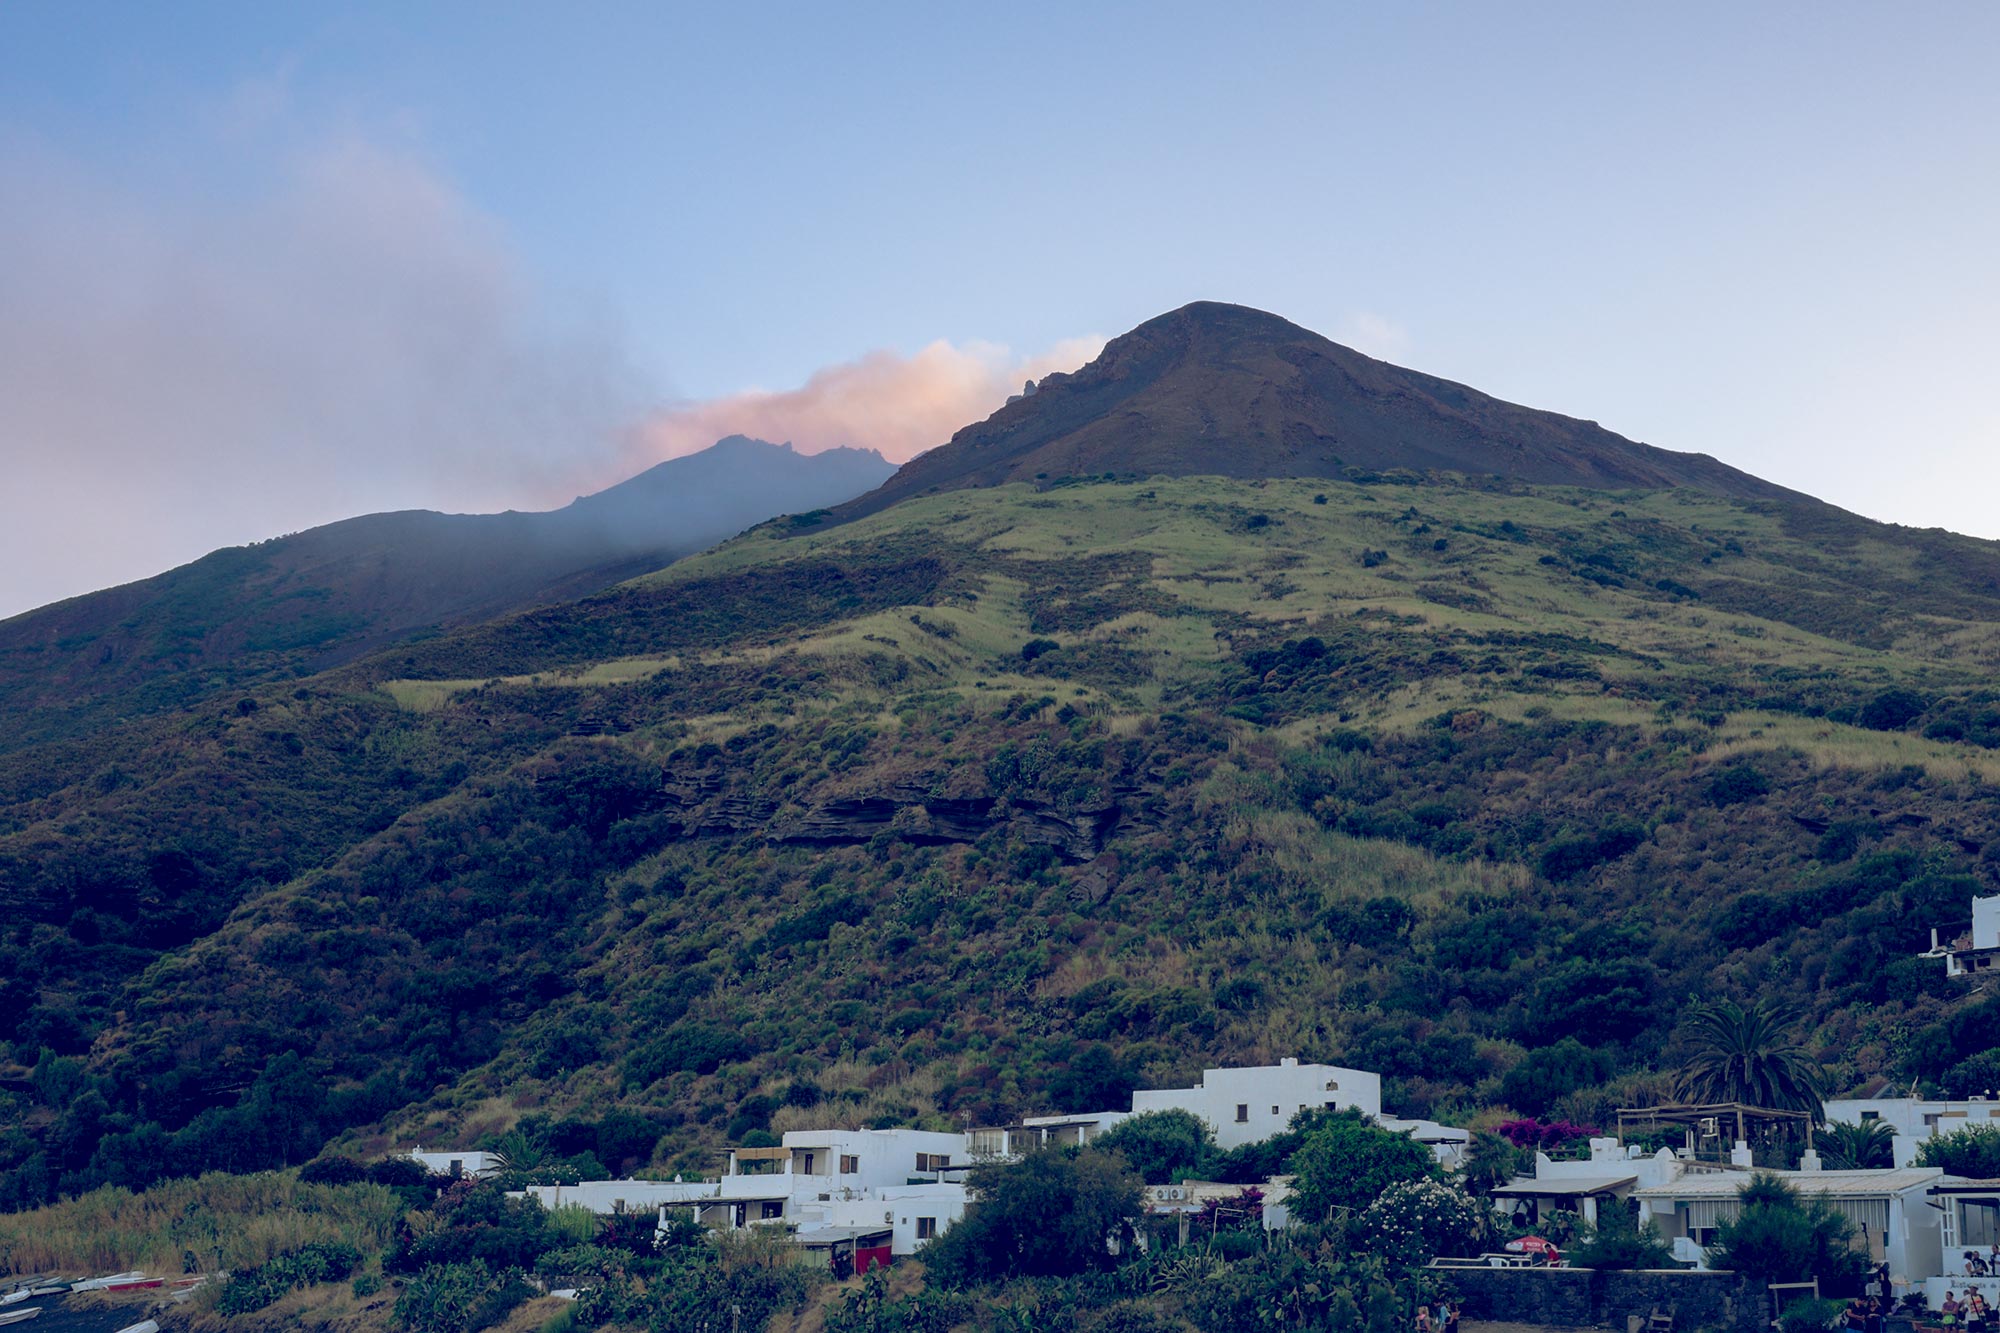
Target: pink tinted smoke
x: 897, y: 405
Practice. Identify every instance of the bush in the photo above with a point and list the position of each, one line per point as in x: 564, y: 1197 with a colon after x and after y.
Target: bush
x: 1162, y: 1146
x: 1619, y: 1242
x: 255, y: 1288
x: 1973, y: 1152
x: 1035, y: 648
x: 1419, y: 1220
x: 1781, y: 1238
x: 1810, y: 1316
x: 1052, y: 1214
x: 444, y: 1298
x: 1737, y: 784
x: 1347, y: 1162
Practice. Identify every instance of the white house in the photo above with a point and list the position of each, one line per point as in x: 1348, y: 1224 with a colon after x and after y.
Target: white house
x: 1039, y: 1131
x: 1975, y: 949
x: 456, y: 1163
x: 1968, y: 1230
x: 1446, y: 1142
x: 1914, y: 1119
x: 1580, y: 1186
x: 1889, y: 1208
x: 1248, y: 1105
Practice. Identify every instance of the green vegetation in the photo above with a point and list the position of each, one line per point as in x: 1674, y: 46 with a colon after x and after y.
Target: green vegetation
x: 1346, y: 1163
x: 798, y: 832
x: 1972, y: 1152
x: 1780, y: 1237
x: 1052, y: 1214
x: 1749, y: 1055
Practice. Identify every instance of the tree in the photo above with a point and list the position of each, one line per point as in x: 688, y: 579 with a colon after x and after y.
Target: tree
x: 1551, y: 1073
x: 1347, y: 1161
x: 1857, y: 1147
x: 1491, y: 1161
x: 1780, y: 1237
x: 1972, y: 1152
x: 1749, y: 1056
x: 1161, y: 1146
x: 1619, y: 1242
x: 1052, y: 1214
x: 1418, y: 1220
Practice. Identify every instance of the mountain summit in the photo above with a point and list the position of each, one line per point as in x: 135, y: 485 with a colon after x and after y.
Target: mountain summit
x: 1224, y: 390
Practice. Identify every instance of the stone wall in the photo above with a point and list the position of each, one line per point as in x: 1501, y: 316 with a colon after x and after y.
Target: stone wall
x: 1581, y: 1297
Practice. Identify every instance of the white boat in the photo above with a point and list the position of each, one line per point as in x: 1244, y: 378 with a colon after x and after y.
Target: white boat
x: 15, y: 1297
x: 19, y: 1316
x: 143, y: 1326
x: 114, y: 1280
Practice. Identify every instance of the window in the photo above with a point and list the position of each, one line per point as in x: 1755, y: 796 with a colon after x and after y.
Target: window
x: 1868, y: 1117
x: 850, y: 1165
x: 926, y: 1228
x: 1274, y: 1110
x: 772, y: 1208
x: 1242, y: 1113
x: 933, y: 1161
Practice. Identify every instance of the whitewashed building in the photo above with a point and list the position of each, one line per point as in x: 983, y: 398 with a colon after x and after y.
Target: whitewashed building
x: 1247, y: 1105
x: 456, y: 1162
x: 1889, y: 1207
x: 1915, y: 1119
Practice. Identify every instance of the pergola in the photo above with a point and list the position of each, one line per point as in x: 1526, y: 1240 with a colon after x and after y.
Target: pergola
x: 1742, y: 1113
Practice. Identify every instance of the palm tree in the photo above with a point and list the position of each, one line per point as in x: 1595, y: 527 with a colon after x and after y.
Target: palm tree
x: 1857, y: 1147
x: 1749, y: 1056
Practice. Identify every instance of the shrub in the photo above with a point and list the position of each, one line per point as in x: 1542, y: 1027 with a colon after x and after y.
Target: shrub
x: 255, y: 1288
x: 1347, y: 1162
x: 444, y: 1298
x: 1035, y: 648
x: 1781, y: 1238
x: 1973, y: 1152
x: 1418, y: 1220
x: 1736, y: 784
x: 1162, y: 1146
x: 1619, y: 1242
x: 1052, y: 1214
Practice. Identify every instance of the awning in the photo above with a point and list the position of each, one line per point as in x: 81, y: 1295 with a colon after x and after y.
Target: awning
x: 1556, y: 1188
x: 761, y: 1154
x: 814, y: 1237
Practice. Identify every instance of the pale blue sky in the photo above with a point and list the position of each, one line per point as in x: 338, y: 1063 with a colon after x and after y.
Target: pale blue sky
x: 1764, y: 232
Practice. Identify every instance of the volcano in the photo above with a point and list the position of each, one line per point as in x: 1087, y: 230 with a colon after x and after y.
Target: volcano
x: 1224, y: 390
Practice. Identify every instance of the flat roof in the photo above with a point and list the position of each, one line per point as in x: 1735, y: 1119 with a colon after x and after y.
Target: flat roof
x: 834, y: 1235
x: 1530, y: 1185
x: 1846, y: 1184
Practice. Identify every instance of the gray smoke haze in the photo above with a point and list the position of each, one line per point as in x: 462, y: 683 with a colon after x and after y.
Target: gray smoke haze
x: 347, y: 334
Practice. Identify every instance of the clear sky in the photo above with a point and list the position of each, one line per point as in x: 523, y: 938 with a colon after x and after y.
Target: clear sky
x: 263, y: 266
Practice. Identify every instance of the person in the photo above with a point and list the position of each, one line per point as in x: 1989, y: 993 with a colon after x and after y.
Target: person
x: 1873, y: 1323
x: 1888, y: 1294
x: 1948, y: 1312
x: 1452, y: 1311
x: 1423, y: 1319
x: 1853, y: 1318
x: 1975, y: 1312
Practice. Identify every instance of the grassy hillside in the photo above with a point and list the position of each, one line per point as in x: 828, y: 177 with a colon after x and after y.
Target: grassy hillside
x: 1002, y: 801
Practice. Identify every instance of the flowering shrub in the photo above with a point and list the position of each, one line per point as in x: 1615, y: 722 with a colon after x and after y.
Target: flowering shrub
x: 1418, y: 1220
x: 1531, y: 1133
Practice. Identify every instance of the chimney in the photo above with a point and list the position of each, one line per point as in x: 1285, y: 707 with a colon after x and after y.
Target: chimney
x: 1809, y: 1160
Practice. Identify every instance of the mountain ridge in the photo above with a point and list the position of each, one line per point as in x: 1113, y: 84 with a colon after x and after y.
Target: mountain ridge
x: 311, y: 600
x: 1227, y: 390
